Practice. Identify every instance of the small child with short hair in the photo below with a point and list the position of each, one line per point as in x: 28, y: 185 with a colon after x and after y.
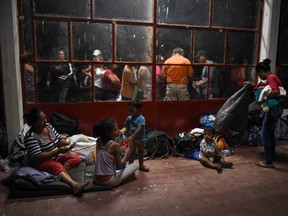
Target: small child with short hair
x: 209, y: 155
x: 135, y: 128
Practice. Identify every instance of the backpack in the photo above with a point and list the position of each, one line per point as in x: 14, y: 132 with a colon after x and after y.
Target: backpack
x: 221, y: 142
x: 281, y: 129
x: 158, y: 144
x: 64, y: 124
x: 18, y: 150
x: 185, y: 143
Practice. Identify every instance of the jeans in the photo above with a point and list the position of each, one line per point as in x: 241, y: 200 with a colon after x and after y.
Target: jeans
x: 268, y: 137
x: 63, y: 94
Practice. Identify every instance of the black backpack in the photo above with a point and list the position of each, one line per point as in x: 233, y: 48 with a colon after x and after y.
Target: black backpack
x: 64, y: 124
x: 158, y: 144
x: 185, y: 143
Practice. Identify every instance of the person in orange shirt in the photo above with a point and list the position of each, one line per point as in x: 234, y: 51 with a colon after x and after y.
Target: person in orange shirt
x: 177, y: 75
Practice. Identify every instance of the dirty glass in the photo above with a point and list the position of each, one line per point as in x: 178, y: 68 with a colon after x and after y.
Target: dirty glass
x: 235, y: 14
x: 212, y: 42
x: 134, y: 43
x: 186, y: 12
x: 123, y: 32
x: 63, y: 8
x: 87, y: 37
x: 242, y: 47
x: 77, y: 88
x: 134, y: 10
x: 27, y: 27
x: 170, y: 38
x: 29, y: 82
x: 205, y: 83
x: 51, y: 36
x: 233, y: 78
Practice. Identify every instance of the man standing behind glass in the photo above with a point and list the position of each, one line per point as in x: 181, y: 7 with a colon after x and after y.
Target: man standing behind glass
x: 202, y: 85
x: 177, y: 75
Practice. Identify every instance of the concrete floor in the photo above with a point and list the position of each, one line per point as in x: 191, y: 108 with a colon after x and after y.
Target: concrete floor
x: 177, y: 186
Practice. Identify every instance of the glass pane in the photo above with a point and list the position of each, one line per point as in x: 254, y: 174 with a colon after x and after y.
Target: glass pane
x: 64, y: 82
x: 189, y: 12
x: 136, y: 82
x: 242, y: 47
x: 236, y: 14
x: 82, y: 91
x: 206, y: 82
x: 283, y: 75
x: 134, y: 43
x: 233, y: 78
x: 50, y: 38
x: 135, y: 10
x: 63, y: 8
x: 87, y: 37
x: 27, y: 26
x: 144, y: 78
x: 44, y: 90
x: 212, y: 42
x: 160, y: 80
x: 170, y: 38
x: 29, y: 82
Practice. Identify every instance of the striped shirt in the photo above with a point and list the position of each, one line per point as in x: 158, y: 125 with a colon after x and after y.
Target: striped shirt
x: 36, y: 144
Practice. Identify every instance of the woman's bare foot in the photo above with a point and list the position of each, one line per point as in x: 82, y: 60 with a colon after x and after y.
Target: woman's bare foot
x: 78, y: 188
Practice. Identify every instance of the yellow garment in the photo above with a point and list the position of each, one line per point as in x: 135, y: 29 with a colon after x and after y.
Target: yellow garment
x: 128, y: 82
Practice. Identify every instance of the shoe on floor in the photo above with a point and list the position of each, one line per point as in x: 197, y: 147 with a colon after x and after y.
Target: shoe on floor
x: 143, y: 169
x: 264, y: 164
x: 219, y: 169
x: 227, y: 165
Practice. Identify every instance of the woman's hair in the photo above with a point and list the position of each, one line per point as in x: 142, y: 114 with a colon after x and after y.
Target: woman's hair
x: 32, y: 117
x: 104, y: 129
x: 263, y: 66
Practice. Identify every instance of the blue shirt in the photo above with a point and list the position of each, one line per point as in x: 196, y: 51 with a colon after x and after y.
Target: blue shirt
x: 132, y: 125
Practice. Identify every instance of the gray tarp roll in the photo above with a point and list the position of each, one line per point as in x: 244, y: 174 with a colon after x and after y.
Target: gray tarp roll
x: 233, y: 115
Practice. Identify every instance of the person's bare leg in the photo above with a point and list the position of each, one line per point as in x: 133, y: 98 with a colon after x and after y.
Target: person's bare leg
x: 207, y: 163
x: 67, y: 166
x: 76, y: 186
x: 141, y: 147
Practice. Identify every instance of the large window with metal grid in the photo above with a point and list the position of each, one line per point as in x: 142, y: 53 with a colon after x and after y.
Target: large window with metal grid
x: 155, y: 50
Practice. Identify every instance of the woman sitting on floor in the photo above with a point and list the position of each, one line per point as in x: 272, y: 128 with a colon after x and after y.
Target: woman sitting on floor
x: 108, y: 158
x: 46, y: 148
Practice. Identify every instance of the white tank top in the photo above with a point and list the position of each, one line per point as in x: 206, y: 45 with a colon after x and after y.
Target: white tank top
x: 105, y: 162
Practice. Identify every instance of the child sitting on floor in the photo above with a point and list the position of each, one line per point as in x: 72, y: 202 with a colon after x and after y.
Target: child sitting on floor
x: 209, y: 155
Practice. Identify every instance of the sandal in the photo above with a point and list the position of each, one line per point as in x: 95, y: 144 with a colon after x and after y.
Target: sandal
x: 264, y: 164
x: 227, y: 165
x: 219, y: 169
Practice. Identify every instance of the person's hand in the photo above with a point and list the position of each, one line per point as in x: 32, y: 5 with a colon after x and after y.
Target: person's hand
x: 130, y: 140
x: 66, y: 148
x: 63, y: 149
x: 72, y: 145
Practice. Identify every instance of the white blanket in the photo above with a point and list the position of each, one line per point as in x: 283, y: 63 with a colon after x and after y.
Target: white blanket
x: 85, y: 147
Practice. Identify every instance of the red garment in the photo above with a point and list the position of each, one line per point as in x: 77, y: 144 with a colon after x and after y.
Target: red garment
x: 56, y: 166
x: 274, y: 82
x: 108, y: 84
